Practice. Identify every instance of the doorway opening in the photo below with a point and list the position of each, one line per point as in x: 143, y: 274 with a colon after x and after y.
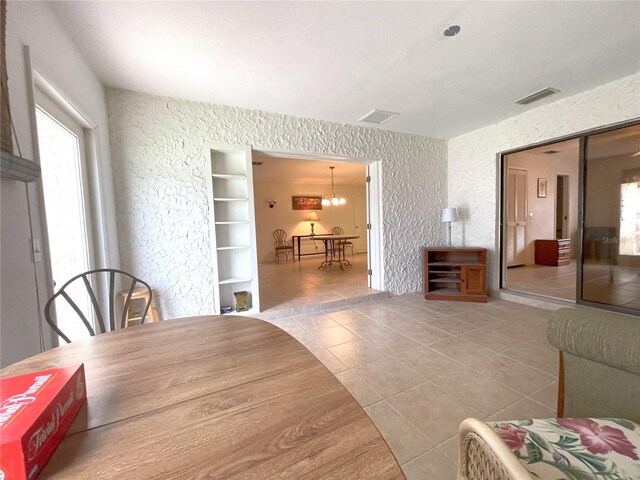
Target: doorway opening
x: 294, y: 280
x: 562, y: 206
x: 541, y: 224
x: 61, y: 142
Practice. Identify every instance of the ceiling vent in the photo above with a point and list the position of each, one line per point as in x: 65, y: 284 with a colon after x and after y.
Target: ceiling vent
x: 539, y: 95
x: 551, y: 152
x: 378, y: 117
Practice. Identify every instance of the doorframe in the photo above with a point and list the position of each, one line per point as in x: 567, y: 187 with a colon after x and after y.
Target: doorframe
x: 101, y: 210
x: 375, y: 258
x: 500, y: 263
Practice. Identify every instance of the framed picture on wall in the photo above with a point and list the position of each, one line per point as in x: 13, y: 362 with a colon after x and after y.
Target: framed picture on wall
x: 542, y: 188
x: 304, y: 202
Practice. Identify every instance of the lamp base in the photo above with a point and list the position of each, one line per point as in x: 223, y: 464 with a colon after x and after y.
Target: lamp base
x: 312, y: 232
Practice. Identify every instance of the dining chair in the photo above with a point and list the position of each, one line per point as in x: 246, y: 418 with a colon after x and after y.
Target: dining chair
x: 342, y: 244
x: 282, y: 245
x: 90, y: 281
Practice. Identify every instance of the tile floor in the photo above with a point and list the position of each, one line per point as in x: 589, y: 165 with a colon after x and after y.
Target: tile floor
x: 557, y: 282
x: 612, y: 285
x: 418, y: 368
x: 292, y: 288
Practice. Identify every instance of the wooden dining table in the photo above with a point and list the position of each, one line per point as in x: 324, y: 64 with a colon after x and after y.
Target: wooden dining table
x: 210, y: 397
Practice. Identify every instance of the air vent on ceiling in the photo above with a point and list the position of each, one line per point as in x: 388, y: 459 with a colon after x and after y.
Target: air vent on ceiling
x: 256, y: 164
x: 551, y: 152
x: 539, y: 95
x: 378, y: 116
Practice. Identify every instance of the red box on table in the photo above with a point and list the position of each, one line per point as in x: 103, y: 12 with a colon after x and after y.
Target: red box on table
x: 36, y: 409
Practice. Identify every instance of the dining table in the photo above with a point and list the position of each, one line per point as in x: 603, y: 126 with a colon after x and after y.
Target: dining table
x: 210, y: 397
x: 334, y: 252
x: 296, y: 239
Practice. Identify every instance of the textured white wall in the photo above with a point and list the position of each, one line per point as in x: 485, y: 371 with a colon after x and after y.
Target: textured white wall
x: 473, y: 167
x: 157, y: 149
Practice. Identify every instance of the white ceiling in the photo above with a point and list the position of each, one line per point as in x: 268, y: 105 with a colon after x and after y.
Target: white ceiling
x: 307, y: 172
x: 567, y: 150
x: 622, y: 142
x: 615, y: 143
x: 338, y: 60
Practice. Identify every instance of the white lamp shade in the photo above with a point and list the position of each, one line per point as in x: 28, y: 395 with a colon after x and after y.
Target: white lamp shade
x: 312, y: 217
x: 449, y: 215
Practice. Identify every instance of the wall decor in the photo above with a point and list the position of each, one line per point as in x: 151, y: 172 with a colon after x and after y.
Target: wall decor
x: 542, y: 188
x: 304, y: 202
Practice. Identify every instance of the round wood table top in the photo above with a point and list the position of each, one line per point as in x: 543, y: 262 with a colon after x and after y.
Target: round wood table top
x: 210, y: 397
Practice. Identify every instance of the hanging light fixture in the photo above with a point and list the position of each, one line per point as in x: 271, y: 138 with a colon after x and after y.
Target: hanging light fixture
x: 332, y: 198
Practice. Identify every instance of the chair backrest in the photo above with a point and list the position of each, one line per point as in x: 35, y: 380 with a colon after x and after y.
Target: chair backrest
x: 279, y: 237
x: 337, y: 231
x: 86, y: 278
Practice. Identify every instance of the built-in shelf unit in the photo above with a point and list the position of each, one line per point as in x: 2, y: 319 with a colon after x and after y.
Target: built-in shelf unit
x: 233, y: 235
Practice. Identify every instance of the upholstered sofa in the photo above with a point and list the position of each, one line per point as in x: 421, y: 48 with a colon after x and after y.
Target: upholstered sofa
x: 598, y: 435
x: 600, y: 354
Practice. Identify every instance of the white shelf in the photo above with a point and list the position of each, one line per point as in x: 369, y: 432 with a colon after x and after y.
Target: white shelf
x: 229, y: 176
x: 226, y: 281
x: 233, y: 240
x: 446, y: 280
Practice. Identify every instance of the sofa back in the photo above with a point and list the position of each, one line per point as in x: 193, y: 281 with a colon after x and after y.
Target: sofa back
x: 601, y: 354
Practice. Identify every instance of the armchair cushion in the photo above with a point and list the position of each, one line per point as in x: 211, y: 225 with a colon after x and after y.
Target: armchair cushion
x: 574, y: 448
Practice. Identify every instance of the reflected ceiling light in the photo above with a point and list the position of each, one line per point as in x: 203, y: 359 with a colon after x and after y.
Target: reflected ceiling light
x: 332, y: 198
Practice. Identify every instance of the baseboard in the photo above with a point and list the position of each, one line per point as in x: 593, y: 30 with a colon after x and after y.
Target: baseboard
x: 532, y: 299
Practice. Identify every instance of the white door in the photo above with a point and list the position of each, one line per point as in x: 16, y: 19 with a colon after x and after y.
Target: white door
x: 516, y: 216
x: 66, y: 208
x: 360, y: 223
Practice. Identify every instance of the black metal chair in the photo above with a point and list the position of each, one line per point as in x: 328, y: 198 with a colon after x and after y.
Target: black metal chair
x: 93, y: 274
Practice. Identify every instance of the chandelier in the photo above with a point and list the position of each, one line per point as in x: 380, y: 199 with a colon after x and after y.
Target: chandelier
x: 332, y: 198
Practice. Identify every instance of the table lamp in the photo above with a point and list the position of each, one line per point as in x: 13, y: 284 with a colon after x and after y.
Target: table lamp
x: 449, y: 215
x: 312, y: 217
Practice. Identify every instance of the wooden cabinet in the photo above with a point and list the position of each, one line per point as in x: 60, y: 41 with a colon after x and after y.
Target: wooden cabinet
x: 552, y: 252
x: 458, y: 274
